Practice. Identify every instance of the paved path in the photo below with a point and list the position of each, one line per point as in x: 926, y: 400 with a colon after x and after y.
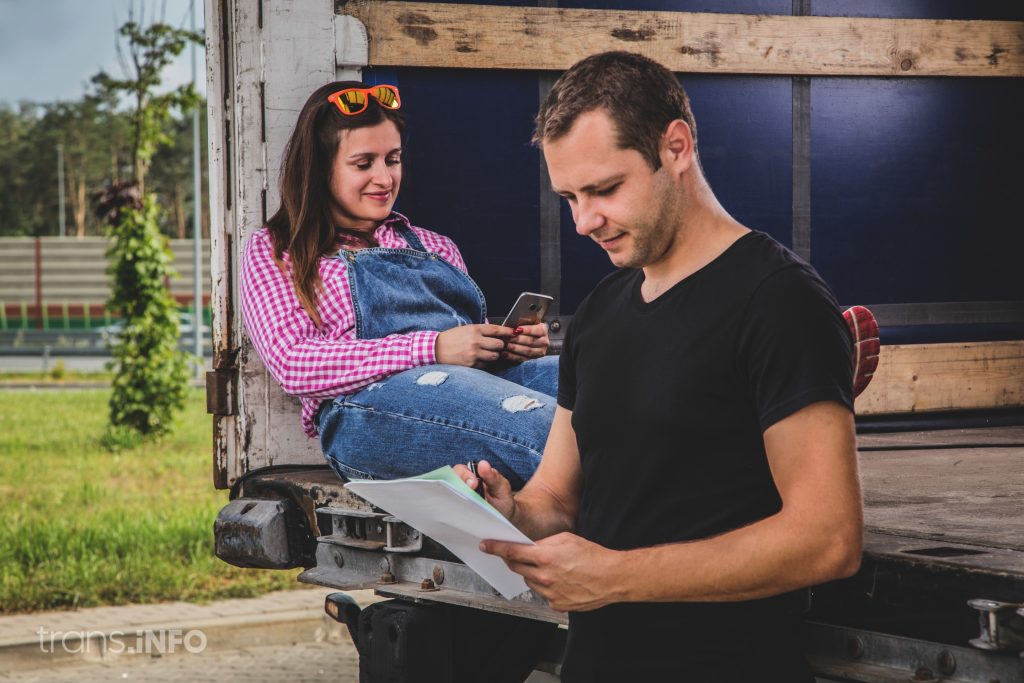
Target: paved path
x: 60, y: 645
x: 282, y: 636
x: 323, y: 662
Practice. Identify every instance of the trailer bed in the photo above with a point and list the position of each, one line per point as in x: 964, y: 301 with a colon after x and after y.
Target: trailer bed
x: 946, y: 498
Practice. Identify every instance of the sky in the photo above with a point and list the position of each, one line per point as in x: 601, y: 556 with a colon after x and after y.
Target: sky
x: 49, y: 49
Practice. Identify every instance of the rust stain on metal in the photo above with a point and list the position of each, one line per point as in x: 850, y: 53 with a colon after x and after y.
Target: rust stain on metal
x: 221, y: 392
x: 224, y: 359
x: 633, y: 35
x: 924, y: 675
x: 309, y: 510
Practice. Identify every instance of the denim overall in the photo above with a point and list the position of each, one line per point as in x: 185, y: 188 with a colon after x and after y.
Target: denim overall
x: 420, y: 419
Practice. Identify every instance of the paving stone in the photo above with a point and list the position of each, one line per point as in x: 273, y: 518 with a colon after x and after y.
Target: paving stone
x: 303, y: 663
x: 275, y: 620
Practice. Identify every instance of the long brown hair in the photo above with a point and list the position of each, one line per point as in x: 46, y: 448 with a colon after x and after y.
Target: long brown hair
x: 302, y: 226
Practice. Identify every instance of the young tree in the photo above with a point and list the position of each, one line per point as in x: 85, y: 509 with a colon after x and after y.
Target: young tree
x: 150, y: 50
x: 151, y: 373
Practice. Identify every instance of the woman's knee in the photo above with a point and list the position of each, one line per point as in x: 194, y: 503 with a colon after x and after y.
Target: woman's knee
x: 366, y: 442
x: 447, y: 391
x: 538, y: 374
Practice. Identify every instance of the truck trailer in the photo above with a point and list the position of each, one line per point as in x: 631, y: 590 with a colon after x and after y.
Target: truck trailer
x: 879, y: 141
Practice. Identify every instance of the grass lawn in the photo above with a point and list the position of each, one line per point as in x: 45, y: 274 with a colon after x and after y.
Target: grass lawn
x: 56, y: 375
x: 83, y: 526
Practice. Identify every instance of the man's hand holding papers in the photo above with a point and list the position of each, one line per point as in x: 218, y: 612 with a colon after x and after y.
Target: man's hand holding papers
x: 440, y: 505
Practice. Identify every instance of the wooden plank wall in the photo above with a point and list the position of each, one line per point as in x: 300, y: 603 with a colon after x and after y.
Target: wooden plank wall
x: 542, y: 38
x: 921, y: 378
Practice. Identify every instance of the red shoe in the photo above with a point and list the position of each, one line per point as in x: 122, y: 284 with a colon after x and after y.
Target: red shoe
x: 866, y: 345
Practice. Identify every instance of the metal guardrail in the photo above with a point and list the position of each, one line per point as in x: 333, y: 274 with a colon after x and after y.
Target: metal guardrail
x: 58, y: 269
x: 67, y: 343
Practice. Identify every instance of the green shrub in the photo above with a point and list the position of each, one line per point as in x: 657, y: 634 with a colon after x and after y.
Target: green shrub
x: 151, y: 373
x: 58, y: 371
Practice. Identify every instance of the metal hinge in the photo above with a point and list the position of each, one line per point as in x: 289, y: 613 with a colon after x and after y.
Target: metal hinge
x: 222, y: 392
x: 222, y: 384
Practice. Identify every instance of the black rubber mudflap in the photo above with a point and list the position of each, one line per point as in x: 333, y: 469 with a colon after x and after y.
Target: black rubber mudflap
x: 401, y: 642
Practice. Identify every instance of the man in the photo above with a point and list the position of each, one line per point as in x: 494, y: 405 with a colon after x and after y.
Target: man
x: 701, y: 465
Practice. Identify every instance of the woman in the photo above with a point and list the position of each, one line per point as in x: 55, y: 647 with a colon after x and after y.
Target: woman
x: 375, y: 324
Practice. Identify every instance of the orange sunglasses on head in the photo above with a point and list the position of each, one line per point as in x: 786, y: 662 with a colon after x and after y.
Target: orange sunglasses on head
x: 352, y: 101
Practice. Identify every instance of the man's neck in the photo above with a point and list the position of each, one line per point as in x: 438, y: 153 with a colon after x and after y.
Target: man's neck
x: 705, y: 232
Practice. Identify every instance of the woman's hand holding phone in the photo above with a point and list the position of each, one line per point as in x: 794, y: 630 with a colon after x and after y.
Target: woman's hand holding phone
x: 530, y: 342
x: 473, y: 346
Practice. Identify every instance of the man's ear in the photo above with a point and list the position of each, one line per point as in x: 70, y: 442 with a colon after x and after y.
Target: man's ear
x: 677, y: 146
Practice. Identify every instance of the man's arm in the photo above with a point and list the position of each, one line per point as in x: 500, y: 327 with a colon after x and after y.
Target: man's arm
x: 548, y: 503
x: 815, y: 537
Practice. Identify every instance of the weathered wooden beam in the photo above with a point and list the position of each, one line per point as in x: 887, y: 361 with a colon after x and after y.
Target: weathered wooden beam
x: 935, y: 377
x: 542, y: 38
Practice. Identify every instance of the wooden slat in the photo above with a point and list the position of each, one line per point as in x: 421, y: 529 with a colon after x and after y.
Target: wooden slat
x: 542, y: 38
x: 1003, y: 567
x: 959, y: 495
x: 934, y: 377
x: 943, y: 438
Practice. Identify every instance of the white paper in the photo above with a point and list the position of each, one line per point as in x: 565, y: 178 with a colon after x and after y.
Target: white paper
x: 453, y: 519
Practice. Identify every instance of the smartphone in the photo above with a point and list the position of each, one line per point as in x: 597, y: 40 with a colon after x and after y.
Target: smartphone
x: 530, y: 309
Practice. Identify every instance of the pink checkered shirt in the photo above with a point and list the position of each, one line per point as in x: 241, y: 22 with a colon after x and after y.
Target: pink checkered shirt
x: 316, y: 364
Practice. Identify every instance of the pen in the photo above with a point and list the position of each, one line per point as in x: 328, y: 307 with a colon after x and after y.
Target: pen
x: 479, y: 490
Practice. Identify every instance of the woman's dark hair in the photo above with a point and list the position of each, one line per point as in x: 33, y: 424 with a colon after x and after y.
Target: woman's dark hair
x: 303, y: 226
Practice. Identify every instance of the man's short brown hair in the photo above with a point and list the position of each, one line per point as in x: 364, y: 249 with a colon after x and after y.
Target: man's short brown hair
x: 640, y: 95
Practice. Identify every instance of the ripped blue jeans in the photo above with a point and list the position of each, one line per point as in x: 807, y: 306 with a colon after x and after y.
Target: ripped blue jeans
x: 421, y: 419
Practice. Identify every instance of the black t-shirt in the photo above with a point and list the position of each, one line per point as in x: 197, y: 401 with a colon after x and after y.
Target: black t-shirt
x: 670, y: 400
